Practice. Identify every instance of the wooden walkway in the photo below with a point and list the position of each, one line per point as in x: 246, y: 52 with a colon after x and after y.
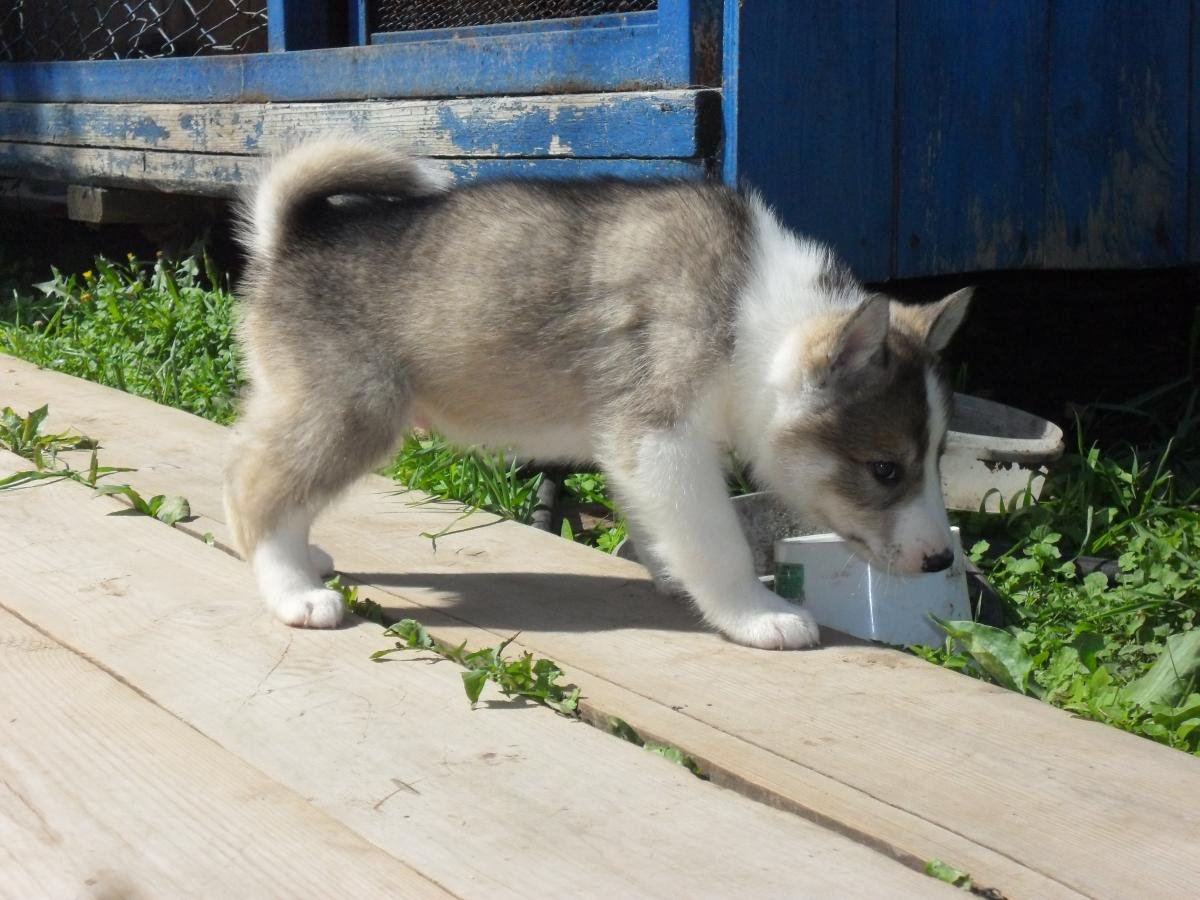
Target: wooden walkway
x: 163, y: 736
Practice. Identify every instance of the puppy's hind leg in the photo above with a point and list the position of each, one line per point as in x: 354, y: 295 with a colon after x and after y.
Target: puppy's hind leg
x: 289, y: 459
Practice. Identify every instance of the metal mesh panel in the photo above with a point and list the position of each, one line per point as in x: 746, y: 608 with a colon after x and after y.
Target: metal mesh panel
x: 46, y: 30
x: 417, y: 15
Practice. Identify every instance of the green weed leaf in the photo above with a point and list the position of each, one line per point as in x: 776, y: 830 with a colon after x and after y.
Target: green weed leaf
x: 947, y: 873
x: 1172, y: 674
x: 172, y: 509
x: 997, y: 652
x: 473, y: 682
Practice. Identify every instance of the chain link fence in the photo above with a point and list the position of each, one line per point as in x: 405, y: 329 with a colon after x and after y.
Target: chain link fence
x: 49, y: 30
x: 418, y: 15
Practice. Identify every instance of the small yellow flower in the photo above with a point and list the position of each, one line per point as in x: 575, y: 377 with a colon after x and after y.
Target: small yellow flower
x: 85, y: 297
x: 87, y: 275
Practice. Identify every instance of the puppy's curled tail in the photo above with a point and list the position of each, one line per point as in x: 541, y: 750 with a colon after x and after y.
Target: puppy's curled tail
x: 323, y: 168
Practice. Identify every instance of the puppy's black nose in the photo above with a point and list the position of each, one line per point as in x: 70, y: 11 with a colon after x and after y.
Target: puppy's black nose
x: 938, y: 562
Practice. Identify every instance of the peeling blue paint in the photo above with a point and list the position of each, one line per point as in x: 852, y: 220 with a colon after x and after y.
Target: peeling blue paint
x: 148, y: 130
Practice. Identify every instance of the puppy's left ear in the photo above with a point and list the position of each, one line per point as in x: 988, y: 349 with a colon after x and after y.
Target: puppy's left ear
x: 936, y: 323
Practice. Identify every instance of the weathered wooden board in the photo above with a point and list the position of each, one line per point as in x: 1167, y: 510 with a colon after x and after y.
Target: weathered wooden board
x: 221, y: 175
x: 635, y: 124
x: 653, y: 53
x: 101, y: 205
x: 505, y: 800
x: 970, y: 95
x: 809, y: 116
x: 951, y: 768
x: 105, y: 794
x: 1194, y: 141
x: 1117, y: 180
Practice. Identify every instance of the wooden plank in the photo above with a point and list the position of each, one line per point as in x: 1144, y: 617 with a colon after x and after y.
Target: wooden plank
x: 954, y: 768
x: 971, y: 110
x: 222, y: 175
x: 1194, y: 141
x: 107, y: 206
x: 1117, y: 185
x: 638, y: 124
x: 501, y: 801
x: 809, y: 119
x: 358, y: 17
x: 103, y: 793
x: 567, y: 61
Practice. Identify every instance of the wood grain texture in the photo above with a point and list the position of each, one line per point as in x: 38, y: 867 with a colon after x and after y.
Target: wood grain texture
x: 1117, y: 182
x: 104, y: 794
x: 221, y: 175
x: 811, y: 118
x: 1194, y: 139
x: 636, y: 124
x: 502, y: 801
x: 634, y: 57
x: 914, y: 759
x: 971, y: 112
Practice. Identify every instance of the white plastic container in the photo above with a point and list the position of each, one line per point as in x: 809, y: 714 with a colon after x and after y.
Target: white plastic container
x: 994, y: 452
x: 844, y: 592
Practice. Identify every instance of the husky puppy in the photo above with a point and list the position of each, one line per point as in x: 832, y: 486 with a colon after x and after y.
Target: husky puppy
x: 648, y: 326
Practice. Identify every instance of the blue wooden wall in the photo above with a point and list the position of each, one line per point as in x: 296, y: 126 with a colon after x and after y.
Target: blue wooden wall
x: 919, y: 137
x: 935, y: 136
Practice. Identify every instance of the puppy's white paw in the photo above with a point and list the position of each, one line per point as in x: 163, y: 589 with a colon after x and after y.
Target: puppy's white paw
x: 314, y: 608
x: 791, y: 629
x: 322, y: 562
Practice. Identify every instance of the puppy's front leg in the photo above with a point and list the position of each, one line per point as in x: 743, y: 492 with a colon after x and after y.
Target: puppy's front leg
x: 671, y: 483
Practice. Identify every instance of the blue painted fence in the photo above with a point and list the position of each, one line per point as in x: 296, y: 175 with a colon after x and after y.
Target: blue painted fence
x: 918, y: 136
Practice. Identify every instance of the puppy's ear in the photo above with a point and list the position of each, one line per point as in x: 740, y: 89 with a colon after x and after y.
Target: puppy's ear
x: 935, y: 323
x: 836, y: 345
x: 861, y: 339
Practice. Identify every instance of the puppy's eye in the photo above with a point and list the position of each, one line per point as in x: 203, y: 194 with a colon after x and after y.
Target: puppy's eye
x: 886, y: 472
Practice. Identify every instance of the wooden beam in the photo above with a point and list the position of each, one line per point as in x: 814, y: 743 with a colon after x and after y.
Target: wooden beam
x: 672, y: 124
x: 220, y: 175
x: 110, y: 206
x: 566, y: 61
x: 358, y: 20
x: 297, y: 25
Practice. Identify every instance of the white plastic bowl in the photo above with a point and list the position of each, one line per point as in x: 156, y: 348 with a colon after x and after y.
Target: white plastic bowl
x: 845, y: 592
x: 995, y: 451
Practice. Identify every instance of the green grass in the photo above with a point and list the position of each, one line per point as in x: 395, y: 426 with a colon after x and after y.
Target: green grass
x: 1124, y: 653
x: 164, y: 330
x: 23, y: 436
x: 474, y: 477
x: 158, y: 329
x: 527, y: 677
